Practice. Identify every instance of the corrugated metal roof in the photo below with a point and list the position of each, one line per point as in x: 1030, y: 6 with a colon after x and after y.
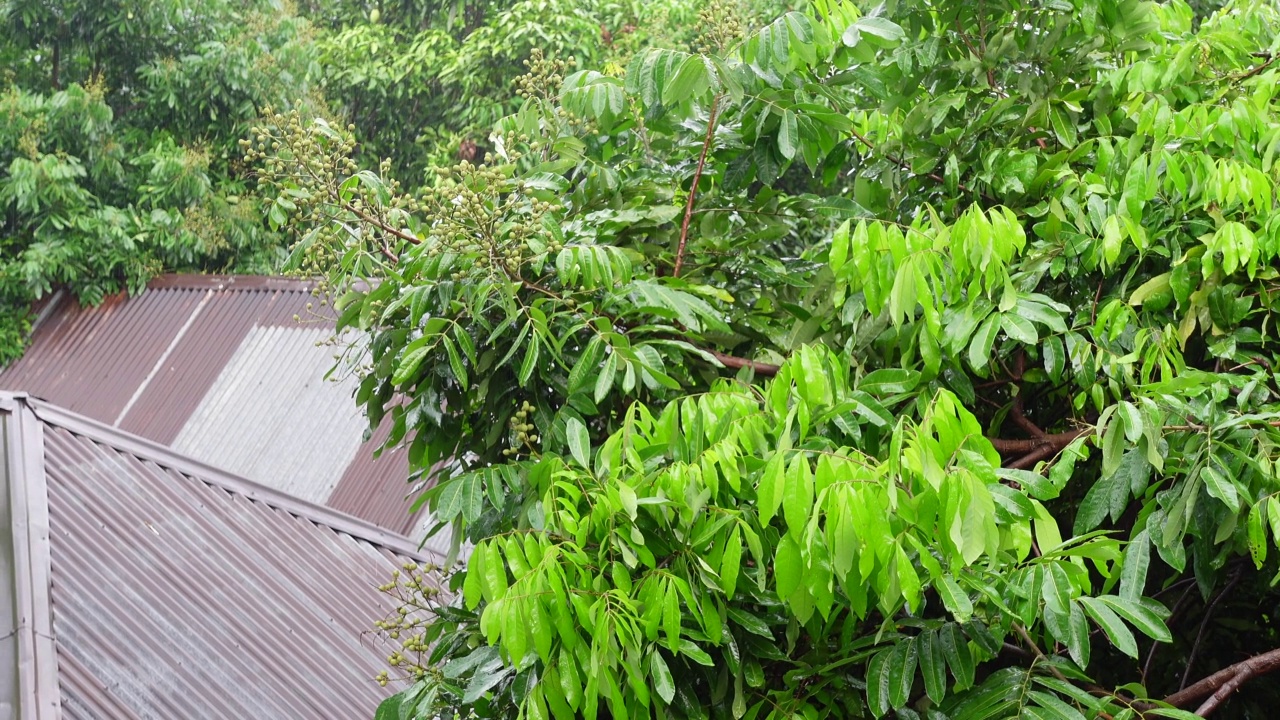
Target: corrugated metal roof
x: 217, y: 367
x: 179, y: 591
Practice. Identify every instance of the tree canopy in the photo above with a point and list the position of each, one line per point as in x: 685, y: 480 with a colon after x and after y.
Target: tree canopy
x: 904, y: 360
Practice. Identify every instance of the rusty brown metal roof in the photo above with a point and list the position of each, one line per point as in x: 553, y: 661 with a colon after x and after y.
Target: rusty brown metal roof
x: 149, y: 585
x: 218, y: 368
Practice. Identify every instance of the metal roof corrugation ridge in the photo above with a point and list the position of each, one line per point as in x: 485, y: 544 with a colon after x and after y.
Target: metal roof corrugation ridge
x: 378, y: 489
x: 164, y: 406
x: 278, y: 373
x: 82, y: 691
x: 177, y: 591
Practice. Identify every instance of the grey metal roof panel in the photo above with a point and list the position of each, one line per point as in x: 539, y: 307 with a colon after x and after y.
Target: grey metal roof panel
x: 178, y: 590
x: 218, y: 367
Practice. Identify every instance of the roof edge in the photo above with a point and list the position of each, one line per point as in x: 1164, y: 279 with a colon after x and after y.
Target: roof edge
x: 36, y: 660
x: 231, y: 282
x: 167, y: 457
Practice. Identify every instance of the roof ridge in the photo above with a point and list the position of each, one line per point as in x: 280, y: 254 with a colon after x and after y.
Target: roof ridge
x: 164, y: 456
x: 196, y: 281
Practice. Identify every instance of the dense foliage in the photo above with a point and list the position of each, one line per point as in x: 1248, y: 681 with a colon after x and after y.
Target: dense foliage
x: 903, y: 360
x: 118, y: 130
x: 119, y: 120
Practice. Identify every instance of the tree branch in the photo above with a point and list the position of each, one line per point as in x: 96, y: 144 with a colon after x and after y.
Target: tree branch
x: 1034, y: 450
x: 1204, y: 623
x: 693, y: 189
x: 1057, y: 441
x: 1220, y: 685
x: 737, y: 363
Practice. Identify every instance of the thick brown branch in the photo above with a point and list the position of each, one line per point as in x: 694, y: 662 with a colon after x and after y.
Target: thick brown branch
x: 1022, y: 447
x: 737, y: 363
x: 693, y: 189
x: 1220, y: 685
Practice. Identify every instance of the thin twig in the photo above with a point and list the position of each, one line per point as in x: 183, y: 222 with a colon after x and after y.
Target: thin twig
x: 1270, y: 59
x: 1026, y: 637
x: 1204, y: 623
x: 1177, y: 608
x: 693, y: 189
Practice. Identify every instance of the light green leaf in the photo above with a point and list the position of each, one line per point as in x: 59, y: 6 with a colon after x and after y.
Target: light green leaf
x: 797, y: 495
x: 787, y: 135
x: 579, y: 442
x: 788, y: 568
x: 889, y: 381
x: 980, y: 346
x: 731, y: 562
x: 769, y: 491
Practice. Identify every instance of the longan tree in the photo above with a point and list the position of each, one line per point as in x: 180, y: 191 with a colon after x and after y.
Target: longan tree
x: 911, y: 360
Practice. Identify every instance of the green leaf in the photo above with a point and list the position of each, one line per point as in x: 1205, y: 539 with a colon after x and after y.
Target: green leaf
x: 604, y: 383
x: 770, y: 490
x: 788, y: 569
x: 1141, y: 616
x: 955, y: 648
x: 983, y: 340
x: 663, y: 683
x: 389, y: 709
x: 1137, y: 558
x: 1221, y: 488
x: 408, y: 365
x: 455, y: 362
x: 471, y: 498
x: 690, y: 82
x: 955, y: 599
x: 530, y: 360
x: 1111, y: 624
x: 902, y: 671
x: 579, y: 442
x: 1019, y: 329
x: 885, y: 30
x: 731, y: 562
x: 1257, y: 536
x: 878, y: 684
x: 787, y: 134
x: 695, y: 653
x: 1078, y: 644
x: 933, y: 666
x: 890, y: 381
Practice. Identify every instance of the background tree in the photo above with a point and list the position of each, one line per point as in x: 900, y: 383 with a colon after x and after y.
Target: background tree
x: 120, y: 119
x: 118, y: 133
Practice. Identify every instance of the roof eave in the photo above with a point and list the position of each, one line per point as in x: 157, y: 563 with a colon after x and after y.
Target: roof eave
x: 34, y: 656
x: 164, y: 456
